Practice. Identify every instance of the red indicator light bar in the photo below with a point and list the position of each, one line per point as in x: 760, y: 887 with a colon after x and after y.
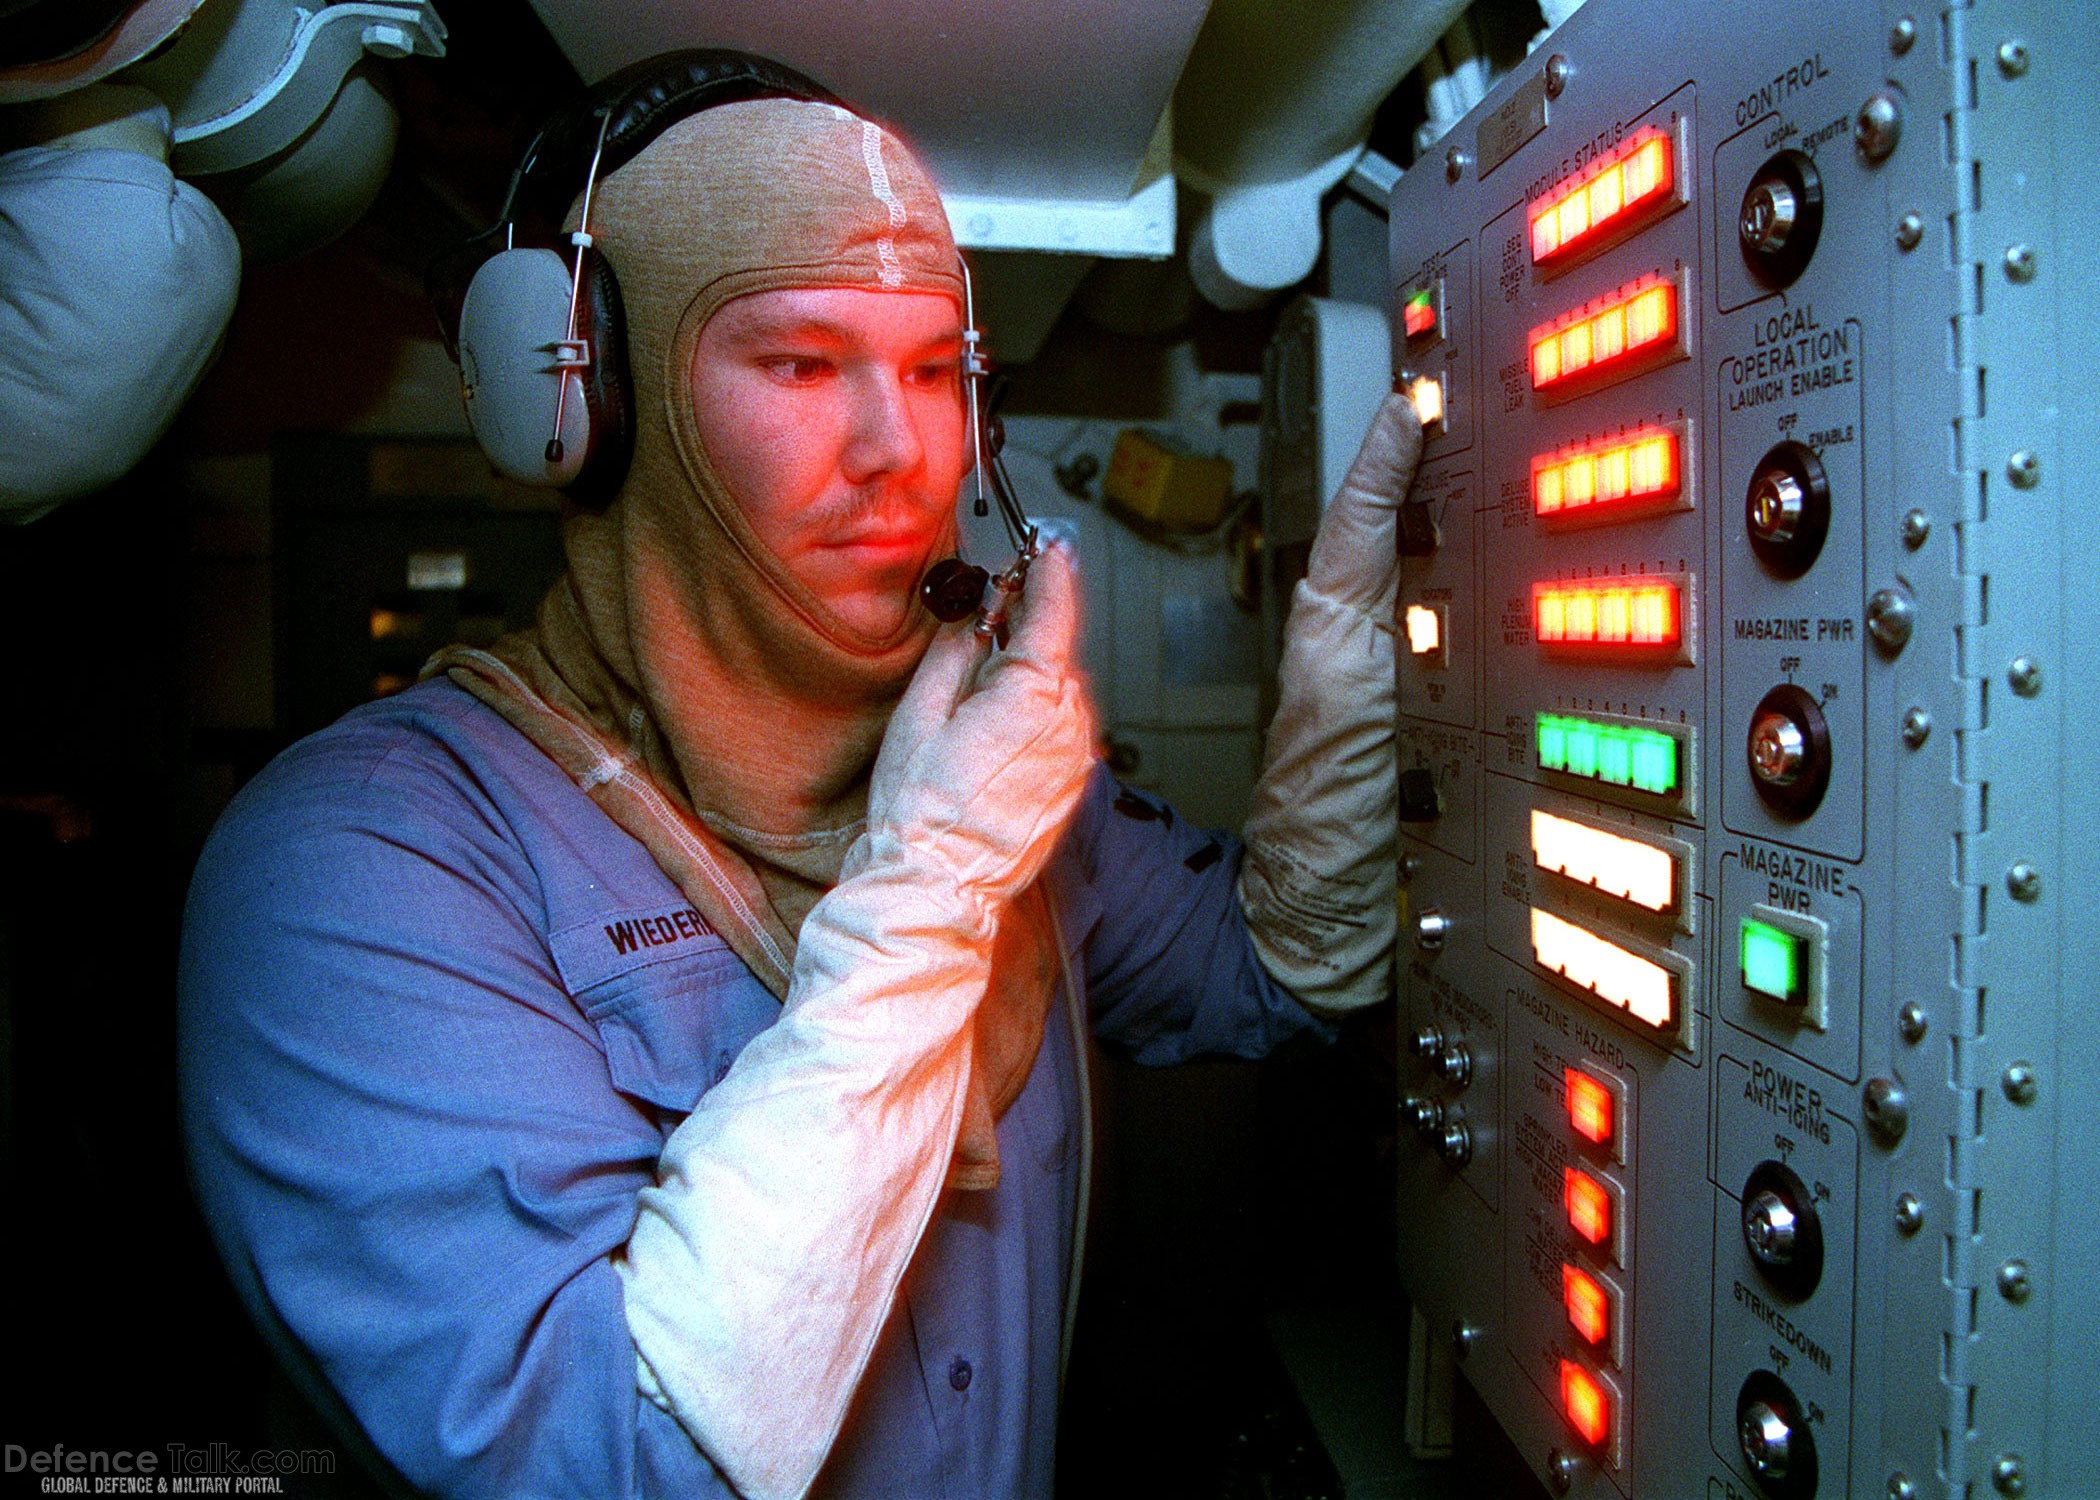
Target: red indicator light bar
x: 1610, y: 480
x: 1626, y: 330
x: 1587, y: 1302
x: 1591, y: 1109
x: 1606, y: 199
x: 1586, y: 1402
x: 1639, y: 614
x: 1588, y: 1204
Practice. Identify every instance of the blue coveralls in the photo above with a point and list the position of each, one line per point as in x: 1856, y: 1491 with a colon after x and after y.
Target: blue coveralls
x: 439, y: 1015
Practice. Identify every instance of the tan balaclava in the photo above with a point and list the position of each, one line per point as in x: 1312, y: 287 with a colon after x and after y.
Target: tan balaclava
x: 701, y: 694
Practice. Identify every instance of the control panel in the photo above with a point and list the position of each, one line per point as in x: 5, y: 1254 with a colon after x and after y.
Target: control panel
x: 1748, y: 800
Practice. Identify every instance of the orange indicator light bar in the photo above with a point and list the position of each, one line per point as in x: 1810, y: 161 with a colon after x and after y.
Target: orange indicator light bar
x: 1587, y: 1302
x: 1641, y: 987
x: 1637, y: 614
x: 1631, y: 328
x: 1627, y: 187
x: 1586, y: 1402
x: 1590, y: 1107
x: 1604, y: 481
x: 1588, y: 1203
x: 1630, y: 869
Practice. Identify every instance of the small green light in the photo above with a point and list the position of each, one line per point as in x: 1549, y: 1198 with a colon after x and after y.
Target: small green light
x: 1772, y: 961
x: 1615, y: 756
x: 1553, y: 742
x: 1654, y: 762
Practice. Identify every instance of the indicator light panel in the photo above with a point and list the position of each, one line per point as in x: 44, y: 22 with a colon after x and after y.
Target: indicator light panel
x: 1637, y: 327
x: 1638, y: 619
x: 1631, y: 186
x: 1612, y: 479
x: 1596, y: 1105
x: 1631, y: 869
x: 1591, y: 1406
x: 1635, y: 756
x: 1427, y: 393
x: 1592, y: 1306
x: 1782, y: 957
x: 1422, y: 313
x: 1636, y: 986
x: 1426, y: 637
x: 1592, y: 1206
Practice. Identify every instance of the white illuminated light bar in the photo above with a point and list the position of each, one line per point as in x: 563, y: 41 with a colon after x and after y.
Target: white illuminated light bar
x: 1642, y: 988
x: 1635, y: 182
x: 1622, y: 867
x: 1427, y: 393
x: 1425, y: 630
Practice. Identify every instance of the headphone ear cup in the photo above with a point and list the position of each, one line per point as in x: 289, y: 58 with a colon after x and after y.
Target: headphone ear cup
x: 601, y: 318
x: 512, y: 326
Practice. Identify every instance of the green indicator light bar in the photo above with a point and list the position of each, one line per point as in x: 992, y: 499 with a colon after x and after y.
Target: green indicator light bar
x: 1553, y: 742
x: 1771, y: 961
x: 1616, y: 754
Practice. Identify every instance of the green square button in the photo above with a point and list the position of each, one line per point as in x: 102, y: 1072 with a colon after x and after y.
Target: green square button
x: 1774, y: 962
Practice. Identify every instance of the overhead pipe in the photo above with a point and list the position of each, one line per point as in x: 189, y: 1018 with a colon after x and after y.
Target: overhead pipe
x: 1272, y: 110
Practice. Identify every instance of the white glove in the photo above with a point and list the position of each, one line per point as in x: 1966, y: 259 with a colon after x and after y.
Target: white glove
x: 1317, y: 884
x: 789, y: 1203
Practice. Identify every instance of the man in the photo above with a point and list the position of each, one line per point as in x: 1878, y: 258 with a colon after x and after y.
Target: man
x: 646, y: 1057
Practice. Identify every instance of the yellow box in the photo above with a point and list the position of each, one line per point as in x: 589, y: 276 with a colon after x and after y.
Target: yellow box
x: 1168, y: 488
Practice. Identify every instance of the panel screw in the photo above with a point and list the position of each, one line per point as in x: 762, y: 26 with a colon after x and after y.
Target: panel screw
x: 2007, y: 1476
x: 1889, y: 619
x: 1905, y: 32
x: 1462, y: 1336
x: 2024, y: 881
x: 1910, y: 1214
x: 2019, y: 263
x: 1916, y: 527
x: 2025, y: 675
x: 1917, y: 726
x: 1900, y: 1488
x: 2020, y: 1084
x: 1454, y: 164
x: 1911, y: 1022
x: 1887, y: 1108
x: 2024, y: 470
x: 1878, y: 127
x: 1556, y: 75
x: 1910, y: 229
x: 1410, y: 865
x: 1561, y: 1470
x: 2012, y: 59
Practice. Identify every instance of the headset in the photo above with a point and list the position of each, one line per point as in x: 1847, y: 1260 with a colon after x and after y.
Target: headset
x: 541, y: 344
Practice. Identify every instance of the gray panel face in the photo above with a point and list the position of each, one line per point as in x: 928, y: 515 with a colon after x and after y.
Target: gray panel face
x: 1853, y: 1129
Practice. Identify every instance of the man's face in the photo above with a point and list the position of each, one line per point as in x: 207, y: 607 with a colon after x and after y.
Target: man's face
x: 834, y: 416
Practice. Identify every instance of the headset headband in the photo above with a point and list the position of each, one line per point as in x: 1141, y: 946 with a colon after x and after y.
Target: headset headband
x: 632, y: 107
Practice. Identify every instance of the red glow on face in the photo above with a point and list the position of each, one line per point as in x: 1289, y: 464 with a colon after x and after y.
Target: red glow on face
x: 1589, y: 1107
x: 1588, y: 1304
x: 1588, y: 1204
x: 833, y: 416
x: 1586, y: 1402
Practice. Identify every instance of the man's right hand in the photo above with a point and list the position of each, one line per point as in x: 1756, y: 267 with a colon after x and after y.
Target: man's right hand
x: 986, y: 756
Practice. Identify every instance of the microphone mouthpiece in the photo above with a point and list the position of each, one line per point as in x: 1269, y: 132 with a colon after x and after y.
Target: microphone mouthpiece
x: 953, y: 590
